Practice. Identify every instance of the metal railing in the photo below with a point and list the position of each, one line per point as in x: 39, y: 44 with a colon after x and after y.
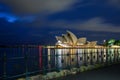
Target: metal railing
x: 25, y: 61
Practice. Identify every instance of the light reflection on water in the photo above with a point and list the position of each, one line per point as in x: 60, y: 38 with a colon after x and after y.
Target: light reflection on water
x: 78, y: 57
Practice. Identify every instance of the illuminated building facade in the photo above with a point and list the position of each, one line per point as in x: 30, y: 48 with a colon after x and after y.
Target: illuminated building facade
x: 70, y: 39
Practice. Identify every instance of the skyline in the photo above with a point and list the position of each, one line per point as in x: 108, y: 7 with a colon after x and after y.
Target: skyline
x: 39, y: 21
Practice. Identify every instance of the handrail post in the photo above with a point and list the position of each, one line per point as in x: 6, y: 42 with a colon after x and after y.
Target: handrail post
x: 26, y: 64
x: 43, y: 59
x: 4, y: 66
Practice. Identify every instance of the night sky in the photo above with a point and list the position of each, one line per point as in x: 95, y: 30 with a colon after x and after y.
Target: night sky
x: 39, y: 21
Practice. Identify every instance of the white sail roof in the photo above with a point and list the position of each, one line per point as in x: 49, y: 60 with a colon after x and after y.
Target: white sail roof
x: 72, y: 37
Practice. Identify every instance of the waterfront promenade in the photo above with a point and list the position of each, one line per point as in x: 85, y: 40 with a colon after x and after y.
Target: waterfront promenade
x: 107, y: 73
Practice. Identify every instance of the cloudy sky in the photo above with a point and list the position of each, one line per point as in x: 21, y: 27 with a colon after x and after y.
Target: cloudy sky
x: 39, y: 21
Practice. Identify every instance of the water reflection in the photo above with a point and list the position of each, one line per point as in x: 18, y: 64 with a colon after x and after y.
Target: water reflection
x: 77, y: 57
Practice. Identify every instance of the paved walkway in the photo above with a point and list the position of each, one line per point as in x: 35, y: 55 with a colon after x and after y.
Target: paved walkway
x: 106, y: 73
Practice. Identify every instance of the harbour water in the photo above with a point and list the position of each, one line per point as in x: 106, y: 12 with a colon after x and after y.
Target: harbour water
x: 25, y: 61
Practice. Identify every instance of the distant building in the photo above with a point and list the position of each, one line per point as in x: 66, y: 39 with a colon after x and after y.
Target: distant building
x: 70, y: 39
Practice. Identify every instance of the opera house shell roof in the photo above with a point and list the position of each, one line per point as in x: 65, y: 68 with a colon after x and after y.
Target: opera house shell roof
x: 70, y: 39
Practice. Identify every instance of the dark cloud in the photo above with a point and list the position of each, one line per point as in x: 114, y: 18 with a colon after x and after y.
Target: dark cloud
x: 51, y: 6
x: 93, y: 24
x: 35, y: 6
x: 115, y: 3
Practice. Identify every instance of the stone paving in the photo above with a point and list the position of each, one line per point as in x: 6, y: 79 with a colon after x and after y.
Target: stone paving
x: 106, y: 73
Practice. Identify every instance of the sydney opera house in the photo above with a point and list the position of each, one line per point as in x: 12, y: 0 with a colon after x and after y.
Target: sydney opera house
x: 70, y: 39
x: 83, y: 51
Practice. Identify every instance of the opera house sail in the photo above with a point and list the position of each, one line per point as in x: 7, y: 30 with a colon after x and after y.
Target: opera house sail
x: 70, y: 39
